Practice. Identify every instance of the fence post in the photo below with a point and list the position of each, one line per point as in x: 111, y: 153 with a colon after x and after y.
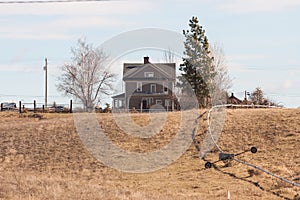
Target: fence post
x: 20, y: 107
x: 71, y: 106
x: 43, y: 108
x: 34, y: 106
x: 1, y: 106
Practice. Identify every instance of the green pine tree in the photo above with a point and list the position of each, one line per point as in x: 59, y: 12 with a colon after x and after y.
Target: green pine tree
x: 198, y: 69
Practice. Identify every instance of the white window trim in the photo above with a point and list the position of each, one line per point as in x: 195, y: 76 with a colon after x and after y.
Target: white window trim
x: 139, y: 86
x: 149, y: 74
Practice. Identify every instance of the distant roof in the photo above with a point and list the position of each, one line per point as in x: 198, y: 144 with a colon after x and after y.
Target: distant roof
x: 234, y: 100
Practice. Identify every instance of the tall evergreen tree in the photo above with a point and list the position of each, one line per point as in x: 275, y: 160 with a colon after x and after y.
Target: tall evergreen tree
x: 198, y: 69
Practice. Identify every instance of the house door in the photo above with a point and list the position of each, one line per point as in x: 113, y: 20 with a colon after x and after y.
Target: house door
x: 153, y: 88
x: 144, y: 104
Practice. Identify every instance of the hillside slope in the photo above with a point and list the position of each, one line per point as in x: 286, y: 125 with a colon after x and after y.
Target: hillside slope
x: 45, y: 159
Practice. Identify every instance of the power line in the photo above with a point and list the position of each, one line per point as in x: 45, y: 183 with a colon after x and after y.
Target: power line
x: 47, y: 1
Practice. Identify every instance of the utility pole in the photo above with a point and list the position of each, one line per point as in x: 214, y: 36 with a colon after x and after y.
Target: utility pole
x: 46, y: 82
x: 246, y: 94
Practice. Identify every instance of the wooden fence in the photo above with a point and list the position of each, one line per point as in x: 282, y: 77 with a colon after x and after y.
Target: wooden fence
x: 39, y: 107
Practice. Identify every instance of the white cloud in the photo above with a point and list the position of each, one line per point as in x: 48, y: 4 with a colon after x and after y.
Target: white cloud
x: 64, y: 20
x: 58, y: 28
x: 235, y: 62
x: 85, y: 8
x: 246, y: 57
x: 86, y: 22
x: 234, y: 66
x: 62, y: 28
x: 35, y: 36
x: 287, y: 84
x: 17, y: 67
x: 250, y: 6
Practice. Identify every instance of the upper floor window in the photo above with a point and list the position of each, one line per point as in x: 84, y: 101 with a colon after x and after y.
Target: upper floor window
x: 165, y: 87
x: 149, y: 74
x: 139, y: 86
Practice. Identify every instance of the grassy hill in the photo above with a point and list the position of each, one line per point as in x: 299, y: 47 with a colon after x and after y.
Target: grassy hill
x: 44, y: 158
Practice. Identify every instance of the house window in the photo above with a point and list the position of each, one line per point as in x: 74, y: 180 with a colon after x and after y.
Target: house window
x: 167, y: 102
x: 149, y: 74
x: 139, y: 86
x: 165, y: 88
x: 116, y: 104
x: 120, y: 103
x: 153, y: 88
x: 158, y: 101
x: 149, y: 101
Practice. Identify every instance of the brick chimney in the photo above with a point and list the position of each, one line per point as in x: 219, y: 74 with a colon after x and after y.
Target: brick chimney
x: 146, y: 60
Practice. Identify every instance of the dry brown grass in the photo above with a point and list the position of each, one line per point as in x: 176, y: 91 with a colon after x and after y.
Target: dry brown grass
x: 43, y: 158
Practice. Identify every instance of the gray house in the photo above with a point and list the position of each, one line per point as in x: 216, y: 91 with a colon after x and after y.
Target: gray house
x: 147, y: 84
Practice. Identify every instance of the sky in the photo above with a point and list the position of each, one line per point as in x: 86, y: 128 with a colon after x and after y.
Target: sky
x: 260, y: 40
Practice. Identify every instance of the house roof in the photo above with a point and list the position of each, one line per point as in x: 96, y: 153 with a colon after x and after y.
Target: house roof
x: 234, y: 100
x: 130, y: 68
x: 167, y: 69
x: 119, y: 96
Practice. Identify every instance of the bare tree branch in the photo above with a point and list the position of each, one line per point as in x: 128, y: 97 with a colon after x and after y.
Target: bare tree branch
x: 86, y: 77
x: 169, y: 56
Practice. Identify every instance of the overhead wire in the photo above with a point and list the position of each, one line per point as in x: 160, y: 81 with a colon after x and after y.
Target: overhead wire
x: 47, y: 1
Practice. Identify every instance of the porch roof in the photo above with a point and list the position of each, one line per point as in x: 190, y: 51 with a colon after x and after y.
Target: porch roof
x: 119, y: 96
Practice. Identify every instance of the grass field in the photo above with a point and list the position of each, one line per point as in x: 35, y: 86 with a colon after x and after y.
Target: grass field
x: 44, y: 158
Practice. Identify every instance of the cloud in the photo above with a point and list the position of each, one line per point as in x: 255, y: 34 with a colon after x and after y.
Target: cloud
x: 66, y: 20
x: 20, y: 65
x: 287, y: 84
x: 17, y: 67
x: 120, y: 7
x: 235, y: 62
x: 62, y: 28
x: 254, y: 6
x: 35, y: 36
x: 246, y: 57
x: 87, y: 22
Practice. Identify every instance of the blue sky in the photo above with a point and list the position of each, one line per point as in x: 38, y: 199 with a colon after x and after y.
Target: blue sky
x: 260, y: 39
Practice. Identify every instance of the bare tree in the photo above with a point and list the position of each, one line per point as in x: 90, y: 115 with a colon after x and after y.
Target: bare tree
x: 86, y: 77
x: 257, y: 97
x: 222, y: 80
x: 221, y: 65
x: 169, y: 56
